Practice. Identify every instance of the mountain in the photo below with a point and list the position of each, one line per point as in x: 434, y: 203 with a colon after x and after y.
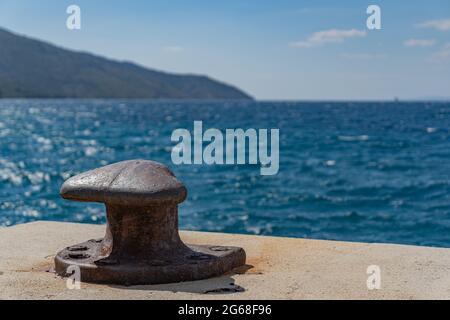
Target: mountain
x: 34, y: 69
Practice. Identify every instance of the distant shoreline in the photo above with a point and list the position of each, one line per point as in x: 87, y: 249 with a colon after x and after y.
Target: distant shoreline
x: 178, y: 100
x: 37, y: 69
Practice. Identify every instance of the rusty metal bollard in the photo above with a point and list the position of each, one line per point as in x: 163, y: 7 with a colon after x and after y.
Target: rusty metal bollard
x: 142, y: 244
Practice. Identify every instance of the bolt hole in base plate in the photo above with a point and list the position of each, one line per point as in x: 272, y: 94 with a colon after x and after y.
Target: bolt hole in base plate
x: 195, y: 263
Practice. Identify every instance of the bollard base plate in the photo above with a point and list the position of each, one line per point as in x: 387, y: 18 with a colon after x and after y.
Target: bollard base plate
x: 195, y: 263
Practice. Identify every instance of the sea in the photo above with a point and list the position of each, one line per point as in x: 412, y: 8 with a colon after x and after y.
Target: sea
x: 353, y: 171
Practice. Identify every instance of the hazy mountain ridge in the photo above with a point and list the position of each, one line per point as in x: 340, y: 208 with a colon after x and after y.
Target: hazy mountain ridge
x: 31, y: 68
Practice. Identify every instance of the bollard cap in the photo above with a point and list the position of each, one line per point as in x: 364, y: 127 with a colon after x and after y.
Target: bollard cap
x: 132, y: 183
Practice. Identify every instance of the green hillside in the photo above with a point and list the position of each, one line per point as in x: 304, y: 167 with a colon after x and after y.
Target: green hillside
x: 34, y: 69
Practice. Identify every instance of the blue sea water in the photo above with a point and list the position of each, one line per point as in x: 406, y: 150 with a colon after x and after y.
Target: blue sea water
x: 376, y: 172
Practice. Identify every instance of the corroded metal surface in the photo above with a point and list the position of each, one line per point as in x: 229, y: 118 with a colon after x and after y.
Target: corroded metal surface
x: 141, y: 244
x: 134, y: 182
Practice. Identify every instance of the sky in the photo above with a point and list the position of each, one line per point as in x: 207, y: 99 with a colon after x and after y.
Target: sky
x: 273, y: 50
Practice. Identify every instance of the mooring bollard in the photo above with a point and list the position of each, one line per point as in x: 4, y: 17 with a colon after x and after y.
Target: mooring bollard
x: 141, y: 244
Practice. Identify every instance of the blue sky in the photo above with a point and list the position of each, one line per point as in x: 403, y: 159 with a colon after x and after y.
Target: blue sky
x: 272, y: 50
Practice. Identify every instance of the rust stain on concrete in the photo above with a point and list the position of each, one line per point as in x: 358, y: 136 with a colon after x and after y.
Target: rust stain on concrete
x: 276, y: 268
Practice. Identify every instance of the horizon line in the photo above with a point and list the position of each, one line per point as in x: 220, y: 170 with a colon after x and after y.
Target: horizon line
x: 395, y: 100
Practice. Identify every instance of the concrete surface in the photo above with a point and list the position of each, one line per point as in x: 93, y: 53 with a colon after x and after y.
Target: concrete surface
x: 277, y: 268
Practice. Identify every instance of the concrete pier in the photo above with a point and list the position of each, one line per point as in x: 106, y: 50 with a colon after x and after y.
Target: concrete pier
x: 277, y: 268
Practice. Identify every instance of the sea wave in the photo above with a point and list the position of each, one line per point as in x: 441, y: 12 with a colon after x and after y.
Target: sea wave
x: 348, y: 171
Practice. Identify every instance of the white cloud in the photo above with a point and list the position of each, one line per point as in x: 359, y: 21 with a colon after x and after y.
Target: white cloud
x: 442, y: 25
x: 363, y: 56
x: 173, y: 49
x: 419, y: 42
x: 328, y: 36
